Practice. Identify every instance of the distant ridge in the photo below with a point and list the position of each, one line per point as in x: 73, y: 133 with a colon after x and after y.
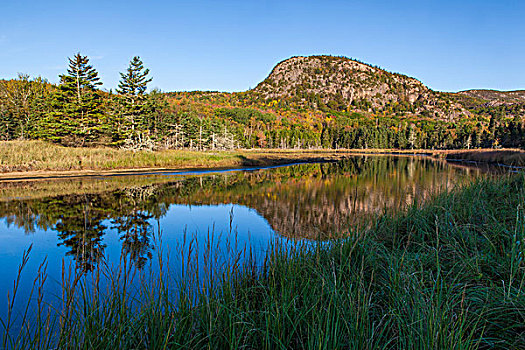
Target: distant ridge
x: 496, y: 97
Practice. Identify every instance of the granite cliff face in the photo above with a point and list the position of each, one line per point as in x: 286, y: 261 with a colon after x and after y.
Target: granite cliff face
x: 345, y: 84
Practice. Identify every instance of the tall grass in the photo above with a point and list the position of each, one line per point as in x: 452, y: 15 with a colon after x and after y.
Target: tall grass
x: 39, y: 155
x: 23, y: 156
x: 448, y: 274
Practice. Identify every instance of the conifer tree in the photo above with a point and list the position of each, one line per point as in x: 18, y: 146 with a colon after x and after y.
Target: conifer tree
x: 76, y: 116
x: 132, y: 87
x: 134, y: 82
x: 81, y: 78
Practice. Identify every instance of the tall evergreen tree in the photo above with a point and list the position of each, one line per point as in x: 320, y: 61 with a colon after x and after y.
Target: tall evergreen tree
x: 77, y: 114
x: 132, y: 87
x: 81, y: 77
x: 134, y: 82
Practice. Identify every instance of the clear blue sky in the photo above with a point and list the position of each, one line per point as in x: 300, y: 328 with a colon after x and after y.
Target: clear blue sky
x: 232, y: 45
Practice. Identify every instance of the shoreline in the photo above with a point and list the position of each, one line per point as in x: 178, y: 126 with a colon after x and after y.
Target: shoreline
x: 51, y: 175
x: 242, y: 164
x: 176, y: 161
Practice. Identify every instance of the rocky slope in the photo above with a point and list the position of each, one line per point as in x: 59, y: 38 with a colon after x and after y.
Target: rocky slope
x: 495, y: 97
x: 345, y: 84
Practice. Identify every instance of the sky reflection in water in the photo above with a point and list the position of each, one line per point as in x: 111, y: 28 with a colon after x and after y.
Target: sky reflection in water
x: 82, y: 221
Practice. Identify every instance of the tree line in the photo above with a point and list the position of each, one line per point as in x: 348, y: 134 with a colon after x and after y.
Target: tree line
x: 76, y: 112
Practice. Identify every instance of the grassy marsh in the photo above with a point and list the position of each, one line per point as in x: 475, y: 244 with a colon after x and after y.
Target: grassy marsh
x: 38, y: 155
x: 27, y: 159
x: 38, y: 159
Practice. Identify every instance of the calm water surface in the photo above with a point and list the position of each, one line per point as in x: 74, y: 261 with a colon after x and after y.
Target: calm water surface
x: 81, y: 222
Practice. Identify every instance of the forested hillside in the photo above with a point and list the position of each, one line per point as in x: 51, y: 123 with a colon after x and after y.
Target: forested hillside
x: 306, y: 102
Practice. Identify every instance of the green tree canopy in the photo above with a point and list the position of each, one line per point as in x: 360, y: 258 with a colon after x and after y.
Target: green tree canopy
x: 134, y: 82
x: 133, y: 119
x: 76, y: 116
x: 81, y: 77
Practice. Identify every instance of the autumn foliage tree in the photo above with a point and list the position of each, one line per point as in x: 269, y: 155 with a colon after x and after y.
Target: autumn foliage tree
x: 76, y: 113
x: 22, y: 101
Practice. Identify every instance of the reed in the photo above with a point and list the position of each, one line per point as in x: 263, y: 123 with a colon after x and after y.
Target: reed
x: 446, y: 274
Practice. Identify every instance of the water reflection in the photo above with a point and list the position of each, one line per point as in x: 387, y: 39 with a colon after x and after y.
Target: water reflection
x: 310, y: 201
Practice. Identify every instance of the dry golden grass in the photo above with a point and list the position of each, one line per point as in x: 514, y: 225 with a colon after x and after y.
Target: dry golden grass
x: 38, y: 155
x: 37, y: 158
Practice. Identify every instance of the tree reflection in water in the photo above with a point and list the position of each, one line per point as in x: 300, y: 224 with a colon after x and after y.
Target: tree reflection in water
x: 81, y: 230
x: 310, y: 201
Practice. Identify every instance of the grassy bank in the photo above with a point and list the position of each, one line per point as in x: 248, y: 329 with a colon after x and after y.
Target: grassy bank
x: 446, y: 275
x: 37, y: 155
x: 41, y: 159
x: 27, y: 158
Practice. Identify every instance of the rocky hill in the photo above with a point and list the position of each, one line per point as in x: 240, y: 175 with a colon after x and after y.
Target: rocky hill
x: 495, y: 97
x: 345, y: 84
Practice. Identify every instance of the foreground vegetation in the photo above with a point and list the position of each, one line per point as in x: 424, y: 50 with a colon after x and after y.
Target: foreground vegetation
x: 448, y: 274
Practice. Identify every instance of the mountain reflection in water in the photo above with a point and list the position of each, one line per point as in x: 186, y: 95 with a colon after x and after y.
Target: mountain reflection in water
x: 308, y: 201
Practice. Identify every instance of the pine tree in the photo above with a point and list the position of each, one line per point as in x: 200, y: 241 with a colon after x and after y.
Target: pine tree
x: 132, y: 87
x: 82, y: 78
x: 76, y: 116
x: 134, y: 82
